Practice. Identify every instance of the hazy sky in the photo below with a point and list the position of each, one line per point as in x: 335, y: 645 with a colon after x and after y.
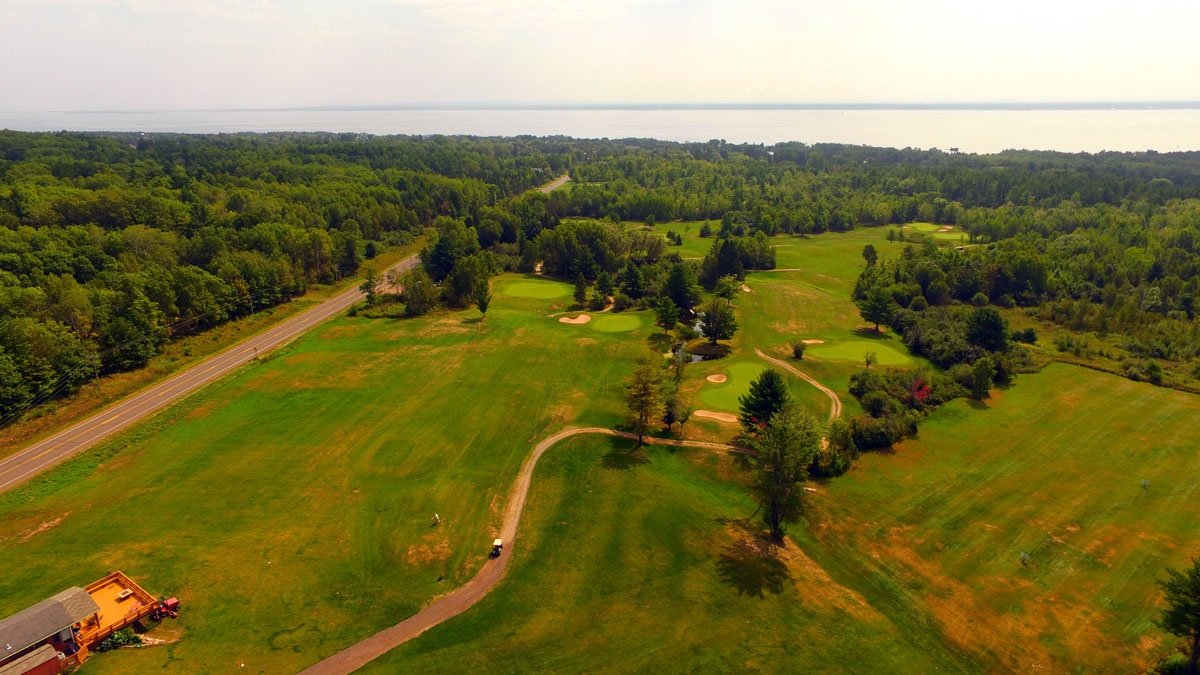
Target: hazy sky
x: 162, y: 54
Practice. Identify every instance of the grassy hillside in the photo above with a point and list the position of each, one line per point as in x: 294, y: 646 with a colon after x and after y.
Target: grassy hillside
x: 1053, y: 468
x: 290, y: 506
x: 650, y: 566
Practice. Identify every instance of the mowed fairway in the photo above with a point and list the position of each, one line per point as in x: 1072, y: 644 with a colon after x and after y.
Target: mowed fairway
x: 1053, y: 468
x: 290, y: 506
x: 635, y: 562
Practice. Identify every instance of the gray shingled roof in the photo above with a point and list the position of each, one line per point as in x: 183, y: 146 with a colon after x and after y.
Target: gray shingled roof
x: 30, y: 661
x: 44, y: 619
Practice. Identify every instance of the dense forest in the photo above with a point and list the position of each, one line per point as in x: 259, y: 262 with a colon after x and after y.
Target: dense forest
x: 111, y: 244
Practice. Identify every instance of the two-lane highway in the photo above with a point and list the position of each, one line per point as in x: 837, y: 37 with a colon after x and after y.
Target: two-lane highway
x: 50, y: 451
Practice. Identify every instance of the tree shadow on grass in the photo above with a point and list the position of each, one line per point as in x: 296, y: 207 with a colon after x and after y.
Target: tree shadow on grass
x: 467, y: 322
x: 624, y: 455
x: 976, y: 404
x: 870, y: 333
x: 750, y: 566
x: 742, y: 460
x: 660, y: 342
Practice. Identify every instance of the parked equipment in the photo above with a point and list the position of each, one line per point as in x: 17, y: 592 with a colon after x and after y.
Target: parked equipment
x: 166, y: 608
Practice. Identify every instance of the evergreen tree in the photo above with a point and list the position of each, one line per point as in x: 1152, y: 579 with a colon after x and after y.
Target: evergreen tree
x: 783, y: 451
x: 768, y: 395
x: 483, y: 295
x: 643, y: 395
x: 667, y: 314
x: 681, y: 286
x: 580, y: 290
x: 1182, y: 614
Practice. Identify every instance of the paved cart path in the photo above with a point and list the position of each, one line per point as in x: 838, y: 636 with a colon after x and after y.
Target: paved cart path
x: 49, y: 451
x: 835, y: 408
x: 459, y: 600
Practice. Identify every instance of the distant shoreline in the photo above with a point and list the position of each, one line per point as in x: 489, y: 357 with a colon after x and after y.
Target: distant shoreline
x: 917, y: 106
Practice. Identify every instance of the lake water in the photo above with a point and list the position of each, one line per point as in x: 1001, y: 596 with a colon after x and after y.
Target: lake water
x: 974, y: 130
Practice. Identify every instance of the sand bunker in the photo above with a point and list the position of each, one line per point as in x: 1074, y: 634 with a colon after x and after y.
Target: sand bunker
x: 946, y: 228
x: 582, y: 318
x: 813, y: 342
x: 720, y: 417
x: 716, y: 378
x: 745, y: 288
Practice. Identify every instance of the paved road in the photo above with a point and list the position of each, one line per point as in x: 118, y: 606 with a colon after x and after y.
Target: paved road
x: 458, y: 601
x: 555, y: 184
x: 75, y: 439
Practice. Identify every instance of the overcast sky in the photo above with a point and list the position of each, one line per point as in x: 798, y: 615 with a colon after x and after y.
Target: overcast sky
x: 164, y: 54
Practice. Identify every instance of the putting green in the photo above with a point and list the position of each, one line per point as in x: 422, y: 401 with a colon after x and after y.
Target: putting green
x: 538, y: 289
x: 616, y: 323
x: 724, y: 396
x: 854, y: 350
x: 936, y: 231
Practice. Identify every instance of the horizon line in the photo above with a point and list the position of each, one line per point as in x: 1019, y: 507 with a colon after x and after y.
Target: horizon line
x: 1081, y: 105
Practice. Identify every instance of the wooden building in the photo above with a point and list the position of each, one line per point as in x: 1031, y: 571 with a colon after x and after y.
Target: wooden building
x: 64, y: 629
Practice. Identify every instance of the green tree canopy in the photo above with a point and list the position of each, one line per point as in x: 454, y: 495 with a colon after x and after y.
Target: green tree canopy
x: 987, y: 328
x: 643, y: 396
x: 783, y: 452
x: 768, y: 395
x: 1182, y: 614
x: 876, y: 306
x: 719, y: 320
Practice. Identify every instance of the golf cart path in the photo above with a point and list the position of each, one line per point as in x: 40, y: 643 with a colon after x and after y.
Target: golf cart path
x: 835, y: 409
x: 462, y: 598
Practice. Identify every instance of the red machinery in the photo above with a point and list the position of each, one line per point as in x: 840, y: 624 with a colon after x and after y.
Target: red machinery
x: 166, y: 608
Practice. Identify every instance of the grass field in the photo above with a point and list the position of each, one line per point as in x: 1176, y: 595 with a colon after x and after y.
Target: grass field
x: 1051, y: 467
x: 648, y: 568
x: 290, y: 505
x: 910, y: 563
x: 178, y: 354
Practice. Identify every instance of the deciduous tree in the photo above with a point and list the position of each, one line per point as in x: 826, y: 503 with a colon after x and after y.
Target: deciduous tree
x: 370, y: 286
x: 987, y: 328
x: 876, y: 306
x: 419, y: 294
x: 719, y: 321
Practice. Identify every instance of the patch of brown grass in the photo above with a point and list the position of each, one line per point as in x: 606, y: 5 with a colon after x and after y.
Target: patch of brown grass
x: 423, y: 554
x: 35, y: 531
